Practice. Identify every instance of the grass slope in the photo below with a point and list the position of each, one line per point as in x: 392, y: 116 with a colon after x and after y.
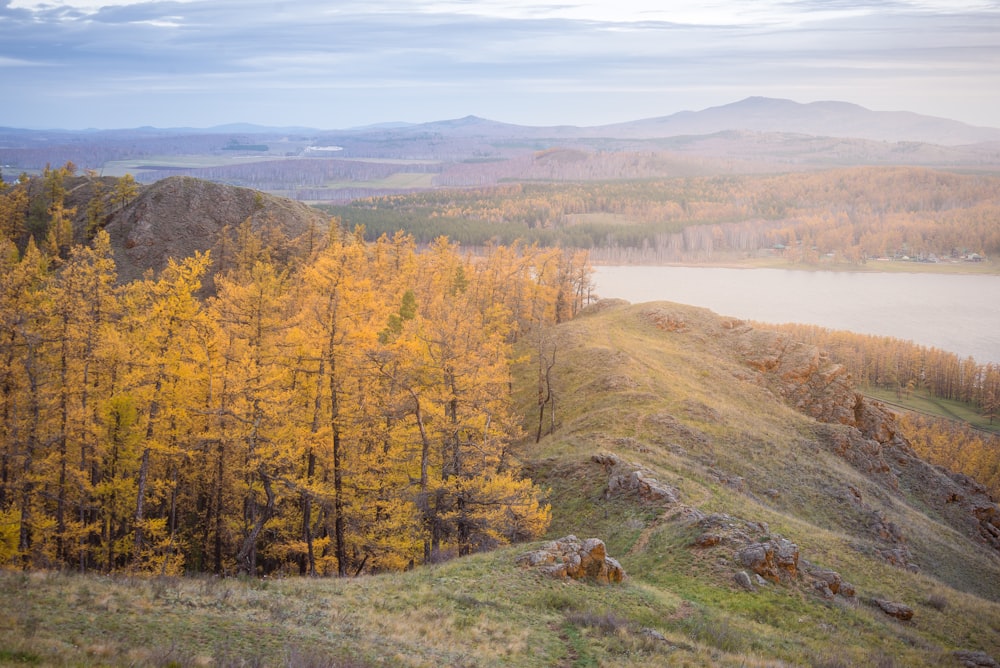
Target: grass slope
x: 672, y: 398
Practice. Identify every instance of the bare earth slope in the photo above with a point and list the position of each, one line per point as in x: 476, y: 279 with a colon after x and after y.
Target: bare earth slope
x: 180, y: 215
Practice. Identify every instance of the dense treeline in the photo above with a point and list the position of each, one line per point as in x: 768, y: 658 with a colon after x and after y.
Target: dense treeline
x: 955, y: 446
x: 856, y: 213
x: 347, y: 414
x: 47, y: 208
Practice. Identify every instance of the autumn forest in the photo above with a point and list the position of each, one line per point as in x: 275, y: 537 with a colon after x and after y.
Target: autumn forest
x: 852, y: 214
x: 346, y: 413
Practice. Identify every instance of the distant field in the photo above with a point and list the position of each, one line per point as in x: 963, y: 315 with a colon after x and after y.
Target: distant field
x: 202, y: 160
x: 398, y: 180
x: 139, y: 165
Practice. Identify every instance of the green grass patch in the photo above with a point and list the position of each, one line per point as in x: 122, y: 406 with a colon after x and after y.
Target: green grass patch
x: 922, y: 401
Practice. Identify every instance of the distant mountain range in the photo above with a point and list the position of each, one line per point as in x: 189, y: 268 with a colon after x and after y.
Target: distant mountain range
x: 754, y: 114
x: 829, y: 119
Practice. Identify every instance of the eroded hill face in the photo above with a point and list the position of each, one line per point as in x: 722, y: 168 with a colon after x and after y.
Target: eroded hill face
x: 781, y: 477
x: 180, y: 215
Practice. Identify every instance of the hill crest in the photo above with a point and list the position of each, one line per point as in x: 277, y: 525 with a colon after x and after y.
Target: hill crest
x: 179, y: 215
x: 750, y: 423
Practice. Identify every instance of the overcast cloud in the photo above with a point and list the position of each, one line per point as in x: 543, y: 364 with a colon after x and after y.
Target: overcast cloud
x: 341, y: 64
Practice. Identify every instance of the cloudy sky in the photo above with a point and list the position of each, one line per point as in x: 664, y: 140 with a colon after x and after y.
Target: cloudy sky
x: 345, y: 63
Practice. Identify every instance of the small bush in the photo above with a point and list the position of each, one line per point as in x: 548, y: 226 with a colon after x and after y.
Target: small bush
x: 20, y: 658
x: 717, y: 633
x: 606, y: 622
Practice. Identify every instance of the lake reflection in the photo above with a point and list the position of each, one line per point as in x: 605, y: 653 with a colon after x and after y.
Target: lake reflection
x: 957, y: 313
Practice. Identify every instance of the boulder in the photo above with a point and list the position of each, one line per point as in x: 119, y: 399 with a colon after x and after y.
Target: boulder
x: 569, y: 557
x: 893, y: 609
x: 743, y: 580
x: 827, y: 579
x: 829, y: 583
x: 976, y: 659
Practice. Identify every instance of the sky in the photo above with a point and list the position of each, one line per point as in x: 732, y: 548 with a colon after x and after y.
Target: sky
x: 350, y: 63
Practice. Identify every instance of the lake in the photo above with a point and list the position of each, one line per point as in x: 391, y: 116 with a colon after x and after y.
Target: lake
x: 957, y: 313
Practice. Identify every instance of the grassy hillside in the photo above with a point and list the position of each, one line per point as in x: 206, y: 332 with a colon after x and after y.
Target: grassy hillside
x: 682, y: 440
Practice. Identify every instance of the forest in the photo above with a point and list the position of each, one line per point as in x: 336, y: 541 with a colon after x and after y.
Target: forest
x: 857, y: 214
x: 343, y: 414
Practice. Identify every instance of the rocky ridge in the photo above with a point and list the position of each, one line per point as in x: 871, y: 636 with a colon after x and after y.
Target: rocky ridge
x: 770, y: 430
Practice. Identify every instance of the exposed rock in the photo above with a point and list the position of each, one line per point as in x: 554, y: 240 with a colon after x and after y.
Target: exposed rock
x: 864, y: 432
x: 801, y: 374
x: 897, y: 610
x: 179, y: 215
x: 627, y: 478
x: 828, y: 579
x: 774, y: 559
x: 898, y: 557
x: 865, y: 454
x: 823, y: 589
x: 569, y: 557
x: 667, y: 319
x: 653, y: 634
x: 743, y: 580
x: 707, y: 540
x: 976, y: 659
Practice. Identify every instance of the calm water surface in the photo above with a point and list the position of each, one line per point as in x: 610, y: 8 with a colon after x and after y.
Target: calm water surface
x: 957, y: 313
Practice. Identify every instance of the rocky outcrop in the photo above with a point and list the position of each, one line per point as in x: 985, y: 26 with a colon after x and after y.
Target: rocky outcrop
x: 743, y: 580
x: 775, y: 560
x: 767, y: 557
x: 829, y: 583
x: 864, y: 433
x: 801, y: 374
x: 570, y: 557
x: 628, y: 478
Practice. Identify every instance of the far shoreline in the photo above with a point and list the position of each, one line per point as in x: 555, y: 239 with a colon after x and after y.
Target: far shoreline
x: 986, y: 267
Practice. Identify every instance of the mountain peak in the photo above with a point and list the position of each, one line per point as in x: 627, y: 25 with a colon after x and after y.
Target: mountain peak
x: 826, y: 118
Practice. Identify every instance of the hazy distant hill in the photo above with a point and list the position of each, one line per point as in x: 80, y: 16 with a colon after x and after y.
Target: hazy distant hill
x: 757, y: 114
x: 825, y: 119
x: 751, y: 136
